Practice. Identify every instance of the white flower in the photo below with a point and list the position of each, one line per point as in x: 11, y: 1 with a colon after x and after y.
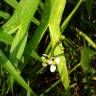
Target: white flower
x: 44, y: 64
x: 57, y: 60
x: 50, y: 62
x: 45, y: 55
x: 52, y: 68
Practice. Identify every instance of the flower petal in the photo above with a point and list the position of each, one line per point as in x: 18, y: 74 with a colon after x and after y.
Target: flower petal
x: 44, y: 64
x: 50, y: 62
x: 57, y: 60
x: 52, y: 68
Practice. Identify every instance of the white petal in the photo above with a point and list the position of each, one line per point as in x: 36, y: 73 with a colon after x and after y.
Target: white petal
x: 44, y: 65
x: 52, y: 68
x: 57, y: 60
x: 50, y: 62
x: 45, y: 55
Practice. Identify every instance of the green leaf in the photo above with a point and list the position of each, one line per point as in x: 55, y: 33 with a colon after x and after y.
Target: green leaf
x: 41, y: 5
x: 57, y: 8
x: 5, y: 38
x: 88, y: 39
x: 23, y: 16
x: 36, y: 56
x: 4, y: 15
x: 37, y: 36
x: 66, y: 21
x: 86, y: 54
x: 11, y: 69
x: 20, y: 39
x: 89, y: 6
x: 12, y: 3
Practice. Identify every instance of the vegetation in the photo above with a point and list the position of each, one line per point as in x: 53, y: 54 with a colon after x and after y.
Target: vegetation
x: 47, y: 48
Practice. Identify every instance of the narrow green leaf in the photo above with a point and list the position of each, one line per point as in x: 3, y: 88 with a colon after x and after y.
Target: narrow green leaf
x: 88, y: 39
x: 20, y: 39
x: 57, y: 8
x: 22, y: 13
x: 86, y: 54
x: 37, y: 36
x: 10, y: 68
x: 10, y: 26
x: 35, y: 21
x: 89, y: 6
x: 36, y: 56
x: 5, y: 38
x: 66, y: 21
x: 41, y: 5
x: 4, y: 15
x: 12, y: 3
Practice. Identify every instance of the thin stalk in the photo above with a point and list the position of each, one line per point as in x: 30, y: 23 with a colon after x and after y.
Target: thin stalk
x: 88, y: 39
x: 65, y: 23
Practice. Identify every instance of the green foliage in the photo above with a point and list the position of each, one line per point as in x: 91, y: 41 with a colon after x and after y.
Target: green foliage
x: 11, y: 69
x: 4, y: 15
x: 54, y: 27
x: 86, y: 55
x: 5, y: 37
x: 89, y: 6
x: 66, y: 21
x: 12, y: 3
x: 38, y: 28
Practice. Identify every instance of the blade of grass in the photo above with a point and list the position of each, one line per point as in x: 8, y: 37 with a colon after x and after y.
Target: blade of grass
x: 20, y: 39
x: 41, y: 5
x: 36, y: 56
x: 5, y: 38
x: 10, y: 68
x: 35, y: 21
x: 65, y: 23
x: 89, y: 6
x: 12, y: 24
x: 22, y: 13
x: 57, y: 7
x: 4, y: 15
x: 88, y: 39
x: 86, y: 54
x: 14, y: 4
x: 37, y: 36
